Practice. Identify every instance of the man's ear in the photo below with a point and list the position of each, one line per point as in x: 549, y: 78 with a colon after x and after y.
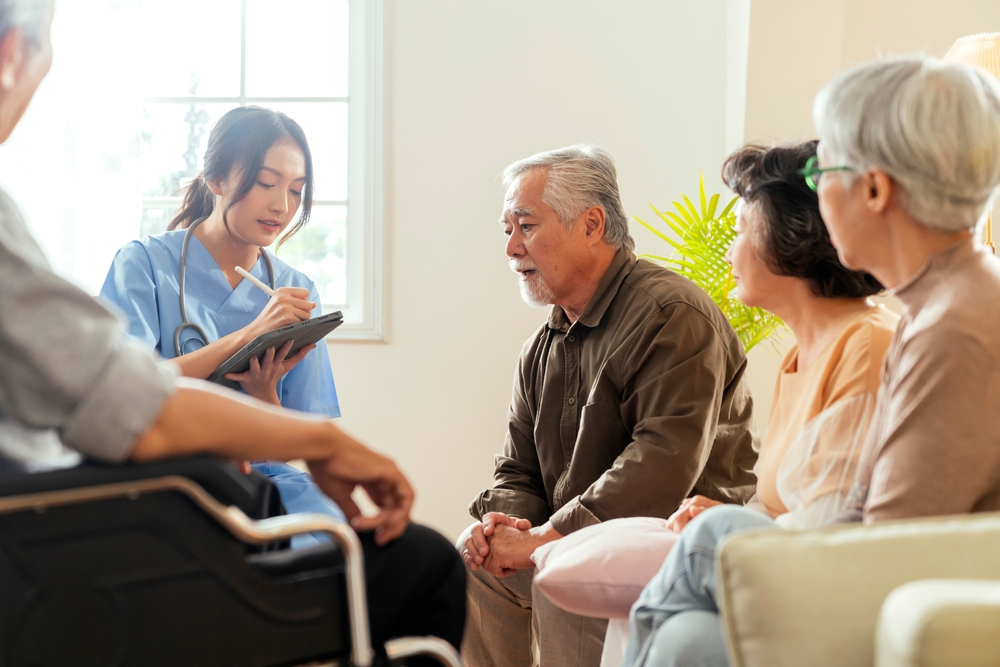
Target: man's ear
x: 11, y: 58
x: 879, y: 190
x: 594, y: 220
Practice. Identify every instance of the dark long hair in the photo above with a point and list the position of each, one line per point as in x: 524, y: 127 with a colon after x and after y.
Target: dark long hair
x: 241, y: 138
x: 794, y: 239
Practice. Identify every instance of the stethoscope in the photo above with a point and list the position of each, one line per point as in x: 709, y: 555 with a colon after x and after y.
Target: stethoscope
x: 185, y: 324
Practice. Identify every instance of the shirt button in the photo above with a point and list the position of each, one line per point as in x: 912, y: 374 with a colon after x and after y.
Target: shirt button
x: 572, y: 339
x: 572, y: 401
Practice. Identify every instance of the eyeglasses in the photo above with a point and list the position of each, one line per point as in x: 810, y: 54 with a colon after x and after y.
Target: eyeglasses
x: 811, y: 172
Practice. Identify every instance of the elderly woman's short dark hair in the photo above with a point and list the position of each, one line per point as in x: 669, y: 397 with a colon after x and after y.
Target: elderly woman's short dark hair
x: 792, y: 237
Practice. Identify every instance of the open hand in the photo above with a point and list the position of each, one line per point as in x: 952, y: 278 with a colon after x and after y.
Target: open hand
x: 688, y: 510
x: 261, y: 379
x: 355, y: 465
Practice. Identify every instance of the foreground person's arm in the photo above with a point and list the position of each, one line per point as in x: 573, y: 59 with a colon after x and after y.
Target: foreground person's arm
x: 67, y: 365
x: 200, y: 418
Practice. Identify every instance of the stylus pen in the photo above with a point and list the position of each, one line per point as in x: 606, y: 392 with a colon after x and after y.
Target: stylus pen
x: 246, y: 274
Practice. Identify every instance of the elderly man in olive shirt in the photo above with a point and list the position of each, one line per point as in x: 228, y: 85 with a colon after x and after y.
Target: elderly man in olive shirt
x: 630, y: 398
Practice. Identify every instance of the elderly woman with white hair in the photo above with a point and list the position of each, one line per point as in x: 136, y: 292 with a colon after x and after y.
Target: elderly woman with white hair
x: 907, y: 166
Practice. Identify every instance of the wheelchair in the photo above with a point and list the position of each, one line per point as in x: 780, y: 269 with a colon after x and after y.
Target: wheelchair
x: 162, y: 564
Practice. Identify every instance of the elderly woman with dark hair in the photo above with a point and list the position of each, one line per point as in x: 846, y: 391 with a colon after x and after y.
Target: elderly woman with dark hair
x: 783, y: 261
x: 908, y: 164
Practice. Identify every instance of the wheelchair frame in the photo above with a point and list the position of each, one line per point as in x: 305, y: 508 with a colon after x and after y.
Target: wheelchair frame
x: 258, y: 532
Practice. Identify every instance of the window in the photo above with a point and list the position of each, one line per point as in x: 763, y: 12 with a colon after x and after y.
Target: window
x: 122, y: 121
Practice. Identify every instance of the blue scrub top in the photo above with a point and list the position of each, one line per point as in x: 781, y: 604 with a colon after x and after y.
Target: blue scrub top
x: 143, y: 283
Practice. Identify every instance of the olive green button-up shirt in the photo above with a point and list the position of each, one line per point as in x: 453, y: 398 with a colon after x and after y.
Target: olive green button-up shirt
x: 627, y: 411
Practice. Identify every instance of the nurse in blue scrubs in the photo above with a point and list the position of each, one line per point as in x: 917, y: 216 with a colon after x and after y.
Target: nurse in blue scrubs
x: 258, y: 174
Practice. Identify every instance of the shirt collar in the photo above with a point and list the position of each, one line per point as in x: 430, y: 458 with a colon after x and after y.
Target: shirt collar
x: 915, y: 292
x: 607, y: 289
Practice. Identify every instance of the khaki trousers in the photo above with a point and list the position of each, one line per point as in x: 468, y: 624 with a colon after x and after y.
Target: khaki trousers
x: 510, y: 623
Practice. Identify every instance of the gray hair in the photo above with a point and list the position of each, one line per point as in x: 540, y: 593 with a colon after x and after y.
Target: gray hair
x: 28, y: 15
x: 579, y: 176
x: 933, y: 127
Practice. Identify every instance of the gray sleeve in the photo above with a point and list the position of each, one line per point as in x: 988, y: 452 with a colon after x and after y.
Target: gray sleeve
x: 66, y: 362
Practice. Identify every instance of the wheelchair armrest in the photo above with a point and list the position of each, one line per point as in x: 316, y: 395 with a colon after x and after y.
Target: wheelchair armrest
x: 435, y: 647
x: 218, y: 477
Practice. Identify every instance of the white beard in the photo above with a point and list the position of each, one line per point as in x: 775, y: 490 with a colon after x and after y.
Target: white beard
x: 535, y: 292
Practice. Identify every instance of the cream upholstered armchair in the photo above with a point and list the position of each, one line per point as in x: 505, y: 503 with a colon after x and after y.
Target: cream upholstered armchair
x: 913, y: 592
x: 940, y: 622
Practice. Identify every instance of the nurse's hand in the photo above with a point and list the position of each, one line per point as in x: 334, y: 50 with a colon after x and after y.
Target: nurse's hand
x: 261, y: 379
x: 288, y: 306
x: 354, y: 465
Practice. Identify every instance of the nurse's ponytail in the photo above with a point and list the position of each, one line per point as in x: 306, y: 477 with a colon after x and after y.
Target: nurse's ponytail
x: 198, y: 203
x: 237, y: 144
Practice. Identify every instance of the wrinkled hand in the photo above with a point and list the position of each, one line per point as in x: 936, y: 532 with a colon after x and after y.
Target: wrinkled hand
x: 477, y: 547
x: 511, y: 548
x: 261, y: 379
x: 288, y: 306
x: 688, y: 510
x: 355, y: 465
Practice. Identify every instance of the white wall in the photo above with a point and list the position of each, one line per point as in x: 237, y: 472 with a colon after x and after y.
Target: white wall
x: 796, y: 47
x: 470, y: 87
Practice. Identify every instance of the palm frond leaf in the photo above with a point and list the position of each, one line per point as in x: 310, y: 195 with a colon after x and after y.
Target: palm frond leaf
x: 703, y: 238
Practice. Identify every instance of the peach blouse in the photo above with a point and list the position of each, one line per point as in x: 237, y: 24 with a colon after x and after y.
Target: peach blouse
x: 818, y: 423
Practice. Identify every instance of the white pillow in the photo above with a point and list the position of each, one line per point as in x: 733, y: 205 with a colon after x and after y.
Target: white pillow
x: 600, y: 570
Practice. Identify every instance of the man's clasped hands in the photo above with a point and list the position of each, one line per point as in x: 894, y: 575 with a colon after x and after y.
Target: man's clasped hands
x: 502, y: 544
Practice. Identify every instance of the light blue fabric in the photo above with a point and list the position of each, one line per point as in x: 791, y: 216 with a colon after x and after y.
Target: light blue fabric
x: 143, y: 283
x: 680, y: 599
x: 300, y: 494
x: 689, y: 639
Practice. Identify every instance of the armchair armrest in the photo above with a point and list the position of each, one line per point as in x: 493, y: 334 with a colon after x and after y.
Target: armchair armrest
x: 939, y: 623
x: 813, y: 597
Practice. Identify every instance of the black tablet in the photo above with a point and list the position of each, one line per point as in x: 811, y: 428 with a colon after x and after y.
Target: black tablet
x: 303, y: 333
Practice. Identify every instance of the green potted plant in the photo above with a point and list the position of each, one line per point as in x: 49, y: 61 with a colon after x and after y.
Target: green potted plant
x: 703, y: 237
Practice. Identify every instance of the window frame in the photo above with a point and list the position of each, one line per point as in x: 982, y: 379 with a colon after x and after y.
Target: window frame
x: 365, y: 168
x: 364, y: 164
